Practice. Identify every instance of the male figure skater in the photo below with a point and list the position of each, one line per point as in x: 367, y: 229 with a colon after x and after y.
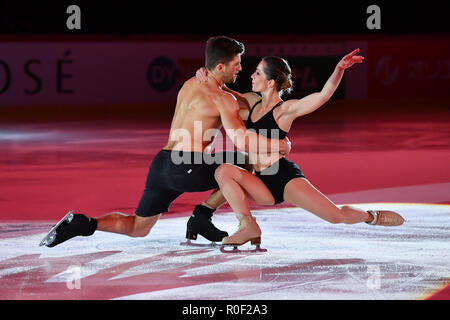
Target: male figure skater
x: 183, y: 165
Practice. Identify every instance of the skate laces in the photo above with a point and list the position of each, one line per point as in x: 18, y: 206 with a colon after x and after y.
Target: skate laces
x: 245, y: 223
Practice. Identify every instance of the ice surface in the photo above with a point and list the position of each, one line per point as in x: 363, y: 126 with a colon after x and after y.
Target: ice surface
x: 307, y: 258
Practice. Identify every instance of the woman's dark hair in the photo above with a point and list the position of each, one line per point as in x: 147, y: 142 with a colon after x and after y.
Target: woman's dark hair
x: 221, y: 49
x: 279, y: 70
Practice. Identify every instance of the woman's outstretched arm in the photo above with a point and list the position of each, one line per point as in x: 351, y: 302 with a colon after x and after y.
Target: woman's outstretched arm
x: 315, y: 100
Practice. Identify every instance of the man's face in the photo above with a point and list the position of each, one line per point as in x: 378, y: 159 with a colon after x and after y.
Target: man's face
x: 231, y: 70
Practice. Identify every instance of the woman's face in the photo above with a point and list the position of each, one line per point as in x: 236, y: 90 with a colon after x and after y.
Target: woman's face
x: 259, y: 80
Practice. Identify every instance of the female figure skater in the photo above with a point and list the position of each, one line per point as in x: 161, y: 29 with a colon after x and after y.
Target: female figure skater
x: 277, y: 179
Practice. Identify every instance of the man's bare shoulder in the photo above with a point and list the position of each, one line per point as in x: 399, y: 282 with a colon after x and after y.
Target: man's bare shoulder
x: 191, y: 91
x: 198, y: 98
x: 227, y: 100
x: 189, y: 84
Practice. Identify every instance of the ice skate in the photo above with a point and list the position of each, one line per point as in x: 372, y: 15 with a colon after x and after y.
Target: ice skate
x: 189, y: 243
x: 248, y: 231
x: 385, y: 218
x: 72, y: 225
x: 200, y: 223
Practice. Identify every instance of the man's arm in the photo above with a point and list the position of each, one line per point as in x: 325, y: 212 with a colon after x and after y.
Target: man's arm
x: 243, y: 138
x: 314, y: 101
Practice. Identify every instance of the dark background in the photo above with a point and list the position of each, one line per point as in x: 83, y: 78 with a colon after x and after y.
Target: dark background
x: 231, y: 17
x: 247, y: 21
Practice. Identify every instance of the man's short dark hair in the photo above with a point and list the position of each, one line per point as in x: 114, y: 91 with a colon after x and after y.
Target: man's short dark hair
x: 221, y: 49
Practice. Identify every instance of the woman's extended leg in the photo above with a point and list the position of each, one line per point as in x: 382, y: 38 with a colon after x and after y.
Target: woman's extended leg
x: 302, y: 193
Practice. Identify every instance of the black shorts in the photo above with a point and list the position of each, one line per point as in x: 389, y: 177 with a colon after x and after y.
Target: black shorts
x: 278, y: 175
x: 172, y: 173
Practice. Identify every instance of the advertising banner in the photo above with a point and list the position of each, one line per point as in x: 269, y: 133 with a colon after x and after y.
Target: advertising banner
x: 94, y: 73
x: 409, y: 68
x: 49, y: 73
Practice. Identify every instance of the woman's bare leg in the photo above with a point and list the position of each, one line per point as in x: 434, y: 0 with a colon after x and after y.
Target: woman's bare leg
x: 238, y: 186
x: 302, y: 193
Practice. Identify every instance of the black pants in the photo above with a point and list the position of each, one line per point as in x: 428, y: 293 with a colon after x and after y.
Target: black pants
x: 172, y: 173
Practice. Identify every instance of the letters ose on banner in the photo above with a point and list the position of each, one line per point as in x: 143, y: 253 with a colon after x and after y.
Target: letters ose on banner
x: 95, y: 73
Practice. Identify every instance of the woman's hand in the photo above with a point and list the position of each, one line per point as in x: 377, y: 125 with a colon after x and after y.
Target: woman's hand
x: 285, y: 146
x: 350, y: 59
x: 202, y: 75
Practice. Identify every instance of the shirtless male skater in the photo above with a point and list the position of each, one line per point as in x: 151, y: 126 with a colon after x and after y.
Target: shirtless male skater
x: 183, y: 165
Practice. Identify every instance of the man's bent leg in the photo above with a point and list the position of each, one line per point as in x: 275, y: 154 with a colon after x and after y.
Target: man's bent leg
x: 214, y: 200
x: 71, y: 225
x: 77, y: 224
x: 200, y: 221
x: 133, y: 226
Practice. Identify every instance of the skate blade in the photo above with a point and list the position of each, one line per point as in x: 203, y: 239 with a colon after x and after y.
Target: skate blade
x: 237, y: 250
x: 189, y: 243
x: 254, y: 241
x: 51, y: 235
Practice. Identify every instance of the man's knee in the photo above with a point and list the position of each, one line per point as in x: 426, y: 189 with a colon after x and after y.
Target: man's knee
x: 143, y: 225
x: 140, y: 232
